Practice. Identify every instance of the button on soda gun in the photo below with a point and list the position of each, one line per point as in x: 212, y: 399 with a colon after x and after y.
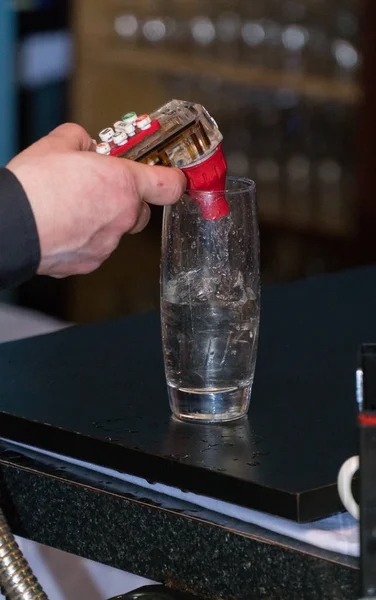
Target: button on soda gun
x: 179, y: 134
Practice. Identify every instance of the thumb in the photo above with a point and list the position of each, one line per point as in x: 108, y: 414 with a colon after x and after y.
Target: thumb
x: 74, y: 137
x: 155, y: 185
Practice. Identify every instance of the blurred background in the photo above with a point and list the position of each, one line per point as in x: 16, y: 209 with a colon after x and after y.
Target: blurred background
x: 286, y: 80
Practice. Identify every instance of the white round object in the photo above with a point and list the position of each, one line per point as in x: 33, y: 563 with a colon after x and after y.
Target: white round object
x: 129, y: 129
x: 129, y: 118
x: 253, y: 34
x: 346, y: 54
x: 106, y: 135
x: 154, y: 30
x: 120, y: 137
x: 329, y: 172
x: 294, y: 38
x: 126, y: 26
x: 119, y: 126
x: 103, y: 148
x: 344, y: 480
x: 203, y: 30
x: 143, y: 122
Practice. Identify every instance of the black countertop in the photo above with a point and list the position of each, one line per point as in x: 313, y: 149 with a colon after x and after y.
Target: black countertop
x: 98, y: 393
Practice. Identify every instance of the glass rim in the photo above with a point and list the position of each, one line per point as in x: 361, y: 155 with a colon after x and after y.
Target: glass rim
x: 247, y: 185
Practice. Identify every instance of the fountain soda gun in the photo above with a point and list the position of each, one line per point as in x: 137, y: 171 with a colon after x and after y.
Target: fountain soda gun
x: 179, y: 134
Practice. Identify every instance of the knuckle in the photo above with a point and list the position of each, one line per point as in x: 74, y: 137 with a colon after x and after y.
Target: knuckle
x: 93, y: 267
x: 126, y: 178
x: 107, y: 248
x: 88, y: 267
x: 71, y: 129
x: 130, y: 199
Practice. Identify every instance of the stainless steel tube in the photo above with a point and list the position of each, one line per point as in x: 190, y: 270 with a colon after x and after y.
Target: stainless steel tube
x: 17, y: 581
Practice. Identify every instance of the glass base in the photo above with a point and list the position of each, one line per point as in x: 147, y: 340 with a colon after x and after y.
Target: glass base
x: 209, y: 407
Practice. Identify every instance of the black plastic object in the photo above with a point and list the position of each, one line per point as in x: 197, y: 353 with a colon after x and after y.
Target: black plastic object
x: 368, y: 369
x: 367, y: 425
x: 98, y: 393
x: 155, y: 592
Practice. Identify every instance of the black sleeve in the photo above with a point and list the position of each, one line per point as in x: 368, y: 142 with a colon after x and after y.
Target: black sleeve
x: 19, y: 241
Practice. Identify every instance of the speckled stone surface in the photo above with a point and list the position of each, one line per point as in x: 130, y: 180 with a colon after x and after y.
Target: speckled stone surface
x: 163, y: 539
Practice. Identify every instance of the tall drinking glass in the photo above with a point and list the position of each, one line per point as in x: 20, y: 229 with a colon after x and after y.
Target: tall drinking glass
x: 210, y: 303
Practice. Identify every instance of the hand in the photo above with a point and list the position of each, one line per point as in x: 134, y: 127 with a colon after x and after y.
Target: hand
x: 83, y: 202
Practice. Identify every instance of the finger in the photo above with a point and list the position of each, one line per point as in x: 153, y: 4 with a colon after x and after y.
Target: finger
x: 156, y: 185
x: 143, y: 219
x: 74, y: 136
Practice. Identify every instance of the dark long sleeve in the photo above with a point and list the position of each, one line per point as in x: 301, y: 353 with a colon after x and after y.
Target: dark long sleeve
x: 19, y: 242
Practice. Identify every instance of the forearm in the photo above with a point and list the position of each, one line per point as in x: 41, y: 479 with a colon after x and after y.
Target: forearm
x: 19, y: 242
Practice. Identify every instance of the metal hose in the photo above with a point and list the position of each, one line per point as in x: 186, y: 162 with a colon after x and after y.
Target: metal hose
x: 17, y: 581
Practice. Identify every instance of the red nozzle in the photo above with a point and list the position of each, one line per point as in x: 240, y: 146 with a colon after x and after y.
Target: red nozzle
x: 210, y: 176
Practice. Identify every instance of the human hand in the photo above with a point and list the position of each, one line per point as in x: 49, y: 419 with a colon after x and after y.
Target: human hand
x: 83, y: 202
